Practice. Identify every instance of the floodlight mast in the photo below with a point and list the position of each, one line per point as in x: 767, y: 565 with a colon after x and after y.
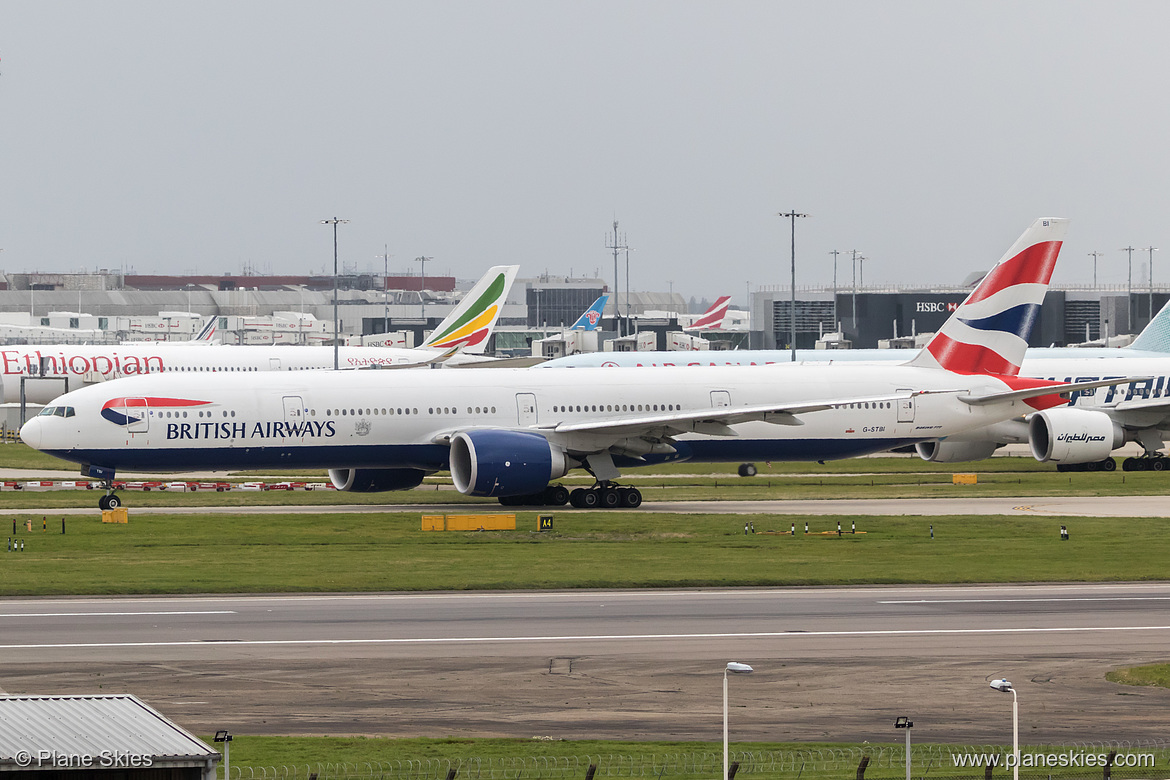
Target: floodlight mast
x: 735, y: 668
x: 1004, y: 686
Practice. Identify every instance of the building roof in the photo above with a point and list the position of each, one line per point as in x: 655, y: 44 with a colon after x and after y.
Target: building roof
x: 89, y: 725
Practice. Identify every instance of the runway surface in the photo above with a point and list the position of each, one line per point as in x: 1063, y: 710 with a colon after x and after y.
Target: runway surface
x: 1047, y: 506
x: 832, y: 664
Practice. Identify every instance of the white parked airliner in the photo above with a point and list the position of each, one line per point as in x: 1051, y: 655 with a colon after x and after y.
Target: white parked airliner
x: 509, y: 433
x: 47, y: 370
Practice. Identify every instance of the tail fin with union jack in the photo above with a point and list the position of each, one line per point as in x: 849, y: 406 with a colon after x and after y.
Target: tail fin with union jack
x: 988, y: 333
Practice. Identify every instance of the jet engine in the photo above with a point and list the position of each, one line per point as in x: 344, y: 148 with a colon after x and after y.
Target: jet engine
x: 375, y: 480
x: 955, y: 451
x: 504, y: 463
x: 1073, y: 435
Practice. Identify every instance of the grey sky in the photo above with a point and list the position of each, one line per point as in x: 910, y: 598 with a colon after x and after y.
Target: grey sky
x: 203, y: 136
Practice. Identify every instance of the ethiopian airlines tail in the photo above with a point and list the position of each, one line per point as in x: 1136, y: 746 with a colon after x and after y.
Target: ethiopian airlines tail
x: 988, y: 333
x: 471, y: 324
x: 712, y: 319
x: 592, y: 315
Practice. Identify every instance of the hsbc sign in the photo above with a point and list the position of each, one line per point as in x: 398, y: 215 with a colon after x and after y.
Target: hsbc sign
x: 935, y: 307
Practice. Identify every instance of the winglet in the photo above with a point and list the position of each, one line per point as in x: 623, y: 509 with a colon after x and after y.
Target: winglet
x: 471, y: 324
x: 592, y: 315
x: 988, y: 333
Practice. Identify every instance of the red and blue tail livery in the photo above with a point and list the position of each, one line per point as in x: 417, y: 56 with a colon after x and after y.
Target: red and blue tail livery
x: 127, y: 411
x: 988, y: 333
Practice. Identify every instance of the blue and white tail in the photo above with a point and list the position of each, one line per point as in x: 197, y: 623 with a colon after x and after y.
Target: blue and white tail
x: 1155, y: 337
x: 988, y: 333
x: 208, y: 331
x: 592, y: 316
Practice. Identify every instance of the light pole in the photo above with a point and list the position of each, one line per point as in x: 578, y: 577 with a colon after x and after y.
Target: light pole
x: 226, y: 739
x: 335, y: 222
x: 1129, y: 290
x: 422, y: 284
x: 628, y: 250
x: 1095, y: 255
x: 1151, y: 250
x: 735, y: 668
x: 792, y: 215
x: 854, y: 253
x: 1003, y: 686
x: 834, y: 253
x: 903, y: 722
x: 386, y: 288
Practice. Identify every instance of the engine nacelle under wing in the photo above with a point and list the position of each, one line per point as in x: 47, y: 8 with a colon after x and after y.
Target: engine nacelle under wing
x: 375, y: 480
x: 504, y: 463
x: 955, y: 451
x: 1066, y: 435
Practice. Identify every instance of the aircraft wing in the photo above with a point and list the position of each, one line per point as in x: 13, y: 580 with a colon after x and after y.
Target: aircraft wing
x: 1058, y: 389
x: 715, y: 421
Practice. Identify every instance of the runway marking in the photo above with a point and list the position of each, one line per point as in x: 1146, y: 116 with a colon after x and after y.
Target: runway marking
x: 1031, y: 600
x: 115, y: 614
x: 585, y: 638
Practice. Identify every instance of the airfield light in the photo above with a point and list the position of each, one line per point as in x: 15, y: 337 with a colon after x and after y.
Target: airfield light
x: 735, y: 668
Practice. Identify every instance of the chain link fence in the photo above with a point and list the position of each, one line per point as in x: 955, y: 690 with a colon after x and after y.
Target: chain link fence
x: 928, y: 762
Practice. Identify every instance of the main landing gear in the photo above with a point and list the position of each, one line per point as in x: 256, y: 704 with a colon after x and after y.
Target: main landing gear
x: 606, y: 495
x: 603, y: 495
x: 1108, y: 464
x: 1154, y: 462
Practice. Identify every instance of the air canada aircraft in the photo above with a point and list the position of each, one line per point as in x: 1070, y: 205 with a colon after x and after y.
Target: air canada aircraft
x: 47, y: 370
x: 510, y: 433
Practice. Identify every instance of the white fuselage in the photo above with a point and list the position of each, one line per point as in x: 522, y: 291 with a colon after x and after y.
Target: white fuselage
x: 373, y: 419
x: 47, y: 371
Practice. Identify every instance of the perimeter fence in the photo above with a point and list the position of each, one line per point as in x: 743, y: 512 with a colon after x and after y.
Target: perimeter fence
x: 928, y: 762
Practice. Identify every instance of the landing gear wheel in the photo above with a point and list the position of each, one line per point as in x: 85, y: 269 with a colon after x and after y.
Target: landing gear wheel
x: 556, y: 495
x: 747, y: 470
x: 109, y: 502
x: 1109, y: 464
x: 631, y: 498
x: 590, y: 499
x: 611, y: 498
x: 1158, y: 464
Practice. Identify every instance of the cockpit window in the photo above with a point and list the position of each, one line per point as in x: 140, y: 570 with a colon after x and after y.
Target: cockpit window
x: 69, y: 411
x: 60, y: 412
x: 48, y: 411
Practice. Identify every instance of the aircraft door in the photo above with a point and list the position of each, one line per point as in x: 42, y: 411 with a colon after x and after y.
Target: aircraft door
x: 720, y: 398
x: 273, y: 364
x: 137, y: 413
x: 294, y: 415
x: 526, y: 408
x: 905, y: 407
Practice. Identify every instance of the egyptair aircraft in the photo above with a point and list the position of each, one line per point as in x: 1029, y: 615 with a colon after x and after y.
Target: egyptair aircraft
x: 510, y: 433
x: 48, y: 370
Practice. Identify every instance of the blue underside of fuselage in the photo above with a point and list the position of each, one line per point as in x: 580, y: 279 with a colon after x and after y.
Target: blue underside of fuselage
x: 433, y: 457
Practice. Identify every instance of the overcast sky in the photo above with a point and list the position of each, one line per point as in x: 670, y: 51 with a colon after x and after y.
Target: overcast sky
x: 208, y: 136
